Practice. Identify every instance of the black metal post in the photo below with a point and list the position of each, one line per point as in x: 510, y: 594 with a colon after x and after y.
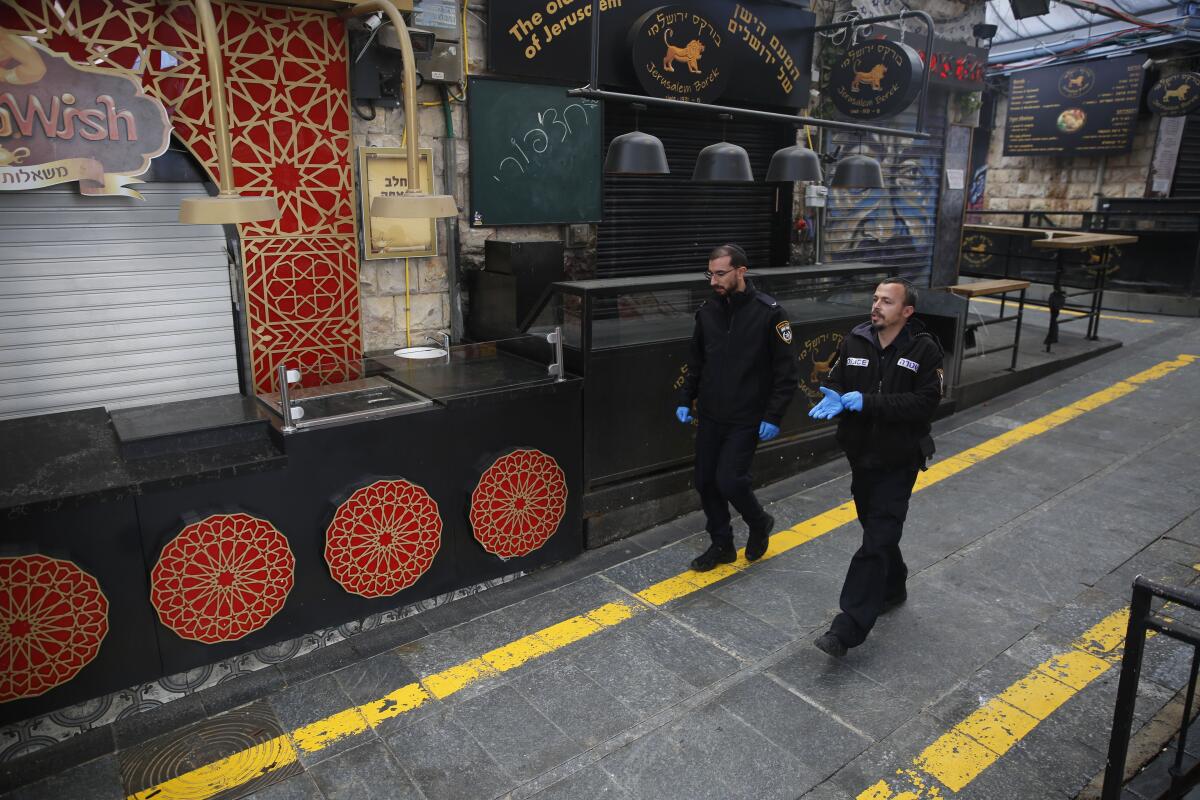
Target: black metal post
x: 1017, y: 336
x: 594, y: 81
x: 769, y: 116
x: 1101, y: 277
x: 1176, y: 770
x: 1131, y: 669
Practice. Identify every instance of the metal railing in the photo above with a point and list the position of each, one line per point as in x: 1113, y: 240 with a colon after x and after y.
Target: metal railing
x: 1107, y: 220
x: 1143, y: 619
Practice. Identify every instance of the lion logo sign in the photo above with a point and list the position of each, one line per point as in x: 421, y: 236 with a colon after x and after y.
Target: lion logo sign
x: 1179, y: 93
x: 872, y: 77
x: 690, y: 55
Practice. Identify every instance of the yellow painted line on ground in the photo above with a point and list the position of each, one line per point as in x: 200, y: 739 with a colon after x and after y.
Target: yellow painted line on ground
x: 958, y: 756
x: 241, y: 767
x: 234, y: 770
x: 1066, y: 312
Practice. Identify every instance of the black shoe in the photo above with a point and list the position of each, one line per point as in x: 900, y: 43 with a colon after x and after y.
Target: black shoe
x: 715, y: 554
x: 756, y: 544
x: 830, y: 644
x: 891, y: 602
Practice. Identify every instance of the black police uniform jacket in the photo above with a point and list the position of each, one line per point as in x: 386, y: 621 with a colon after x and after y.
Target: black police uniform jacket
x: 741, y: 369
x: 901, y: 387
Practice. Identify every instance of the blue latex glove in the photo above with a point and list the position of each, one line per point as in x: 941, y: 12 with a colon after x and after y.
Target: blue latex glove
x: 683, y: 414
x: 767, y: 431
x: 852, y: 401
x: 829, y: 407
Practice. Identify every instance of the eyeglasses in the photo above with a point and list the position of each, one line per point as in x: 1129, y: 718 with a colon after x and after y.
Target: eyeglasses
x: 720, y: 274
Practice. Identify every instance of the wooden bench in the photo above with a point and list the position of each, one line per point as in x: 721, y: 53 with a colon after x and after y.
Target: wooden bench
x: 1000, y: 286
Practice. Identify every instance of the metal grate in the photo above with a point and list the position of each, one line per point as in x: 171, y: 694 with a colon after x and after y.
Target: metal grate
x: 893, y: 225
x: 666, y: 223
x: 1187, y: 169
x: 110, y: 301
x: 250, y: 738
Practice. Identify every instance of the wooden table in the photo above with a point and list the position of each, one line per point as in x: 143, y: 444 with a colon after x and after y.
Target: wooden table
x: 1059, y: 242
x: 1000, y: 286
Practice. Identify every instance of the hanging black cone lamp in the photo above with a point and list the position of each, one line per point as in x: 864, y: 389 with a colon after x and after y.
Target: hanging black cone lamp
x: 795, y: 163
x: 636, y: 153
x: 723, y: 163
x: 857, y: 172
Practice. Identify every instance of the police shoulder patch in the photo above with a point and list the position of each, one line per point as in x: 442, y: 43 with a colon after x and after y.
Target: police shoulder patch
x: 784, y: 329
x: 765, y: 299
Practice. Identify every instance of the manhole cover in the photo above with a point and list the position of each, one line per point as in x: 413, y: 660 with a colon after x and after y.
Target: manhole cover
x: 250, y: 738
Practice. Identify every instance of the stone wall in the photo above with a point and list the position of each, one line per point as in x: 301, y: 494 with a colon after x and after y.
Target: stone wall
x: 1043, y: 183
x: 382, y: 282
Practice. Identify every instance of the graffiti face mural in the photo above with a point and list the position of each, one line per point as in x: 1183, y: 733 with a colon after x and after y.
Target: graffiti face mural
x: 889, y: 223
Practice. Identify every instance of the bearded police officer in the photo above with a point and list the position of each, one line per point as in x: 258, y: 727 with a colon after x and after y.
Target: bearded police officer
x: 884, y: 386
x: 741, y: 374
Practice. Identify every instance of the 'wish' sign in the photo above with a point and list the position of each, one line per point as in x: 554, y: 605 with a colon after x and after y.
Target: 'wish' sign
x: 62, y: 122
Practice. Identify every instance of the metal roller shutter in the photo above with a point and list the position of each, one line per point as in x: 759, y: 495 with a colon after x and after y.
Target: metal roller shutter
x: 893, y: 225
x: 1187, y: 170
x: 667, y: 223
x: 109, y: 301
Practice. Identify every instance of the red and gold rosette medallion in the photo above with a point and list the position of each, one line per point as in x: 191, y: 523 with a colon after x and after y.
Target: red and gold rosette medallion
x: 518, y: 504
x: 383, y: 538
x: 222, y: 578
x: 53, y: 618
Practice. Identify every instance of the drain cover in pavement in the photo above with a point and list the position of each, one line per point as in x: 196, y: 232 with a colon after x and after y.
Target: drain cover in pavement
x: 248, y: 741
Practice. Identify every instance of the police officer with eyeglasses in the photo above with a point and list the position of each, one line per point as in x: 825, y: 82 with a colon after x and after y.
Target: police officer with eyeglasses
x: 741, y: 375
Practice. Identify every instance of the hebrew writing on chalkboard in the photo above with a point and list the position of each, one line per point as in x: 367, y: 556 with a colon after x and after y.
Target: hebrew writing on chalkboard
x: 535, y: 154
x: 547, y: 118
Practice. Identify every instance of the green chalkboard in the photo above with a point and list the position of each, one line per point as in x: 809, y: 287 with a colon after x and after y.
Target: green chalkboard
x: 535, y: 154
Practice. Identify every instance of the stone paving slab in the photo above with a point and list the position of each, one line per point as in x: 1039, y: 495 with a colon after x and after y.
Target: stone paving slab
x: 720, y: 694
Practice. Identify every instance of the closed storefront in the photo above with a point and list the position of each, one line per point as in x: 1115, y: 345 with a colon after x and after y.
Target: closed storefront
x: 110, y: 301
x: 893, y: 225
x: 1187, y: 168
x: 668, y: 223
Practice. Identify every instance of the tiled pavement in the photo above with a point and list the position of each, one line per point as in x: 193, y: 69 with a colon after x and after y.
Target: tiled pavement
x: 720, y: 694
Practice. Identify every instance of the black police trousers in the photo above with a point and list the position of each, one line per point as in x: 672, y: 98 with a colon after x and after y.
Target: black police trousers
x: 877, y: 572
x: 723, y: 456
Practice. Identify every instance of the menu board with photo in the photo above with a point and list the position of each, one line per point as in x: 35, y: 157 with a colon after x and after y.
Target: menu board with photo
x: 1086, y: 108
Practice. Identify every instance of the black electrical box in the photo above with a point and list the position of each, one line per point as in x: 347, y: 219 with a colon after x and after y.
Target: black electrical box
x: 377, y: 67
x: 505, y: 291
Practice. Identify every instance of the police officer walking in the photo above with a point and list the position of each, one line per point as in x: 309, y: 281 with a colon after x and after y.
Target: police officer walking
x: 885, y: 384
x: 741, y: 374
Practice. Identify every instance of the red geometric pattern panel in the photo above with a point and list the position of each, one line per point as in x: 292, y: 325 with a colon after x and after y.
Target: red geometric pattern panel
x: 383, y: 538
x: 53, y: 618
x: 302, y: 307
x: 518, y: 504
x: 222, y: 578
x: 286, y: 83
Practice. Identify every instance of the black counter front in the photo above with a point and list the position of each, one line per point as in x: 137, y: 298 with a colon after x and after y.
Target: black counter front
x: 342, y: 521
